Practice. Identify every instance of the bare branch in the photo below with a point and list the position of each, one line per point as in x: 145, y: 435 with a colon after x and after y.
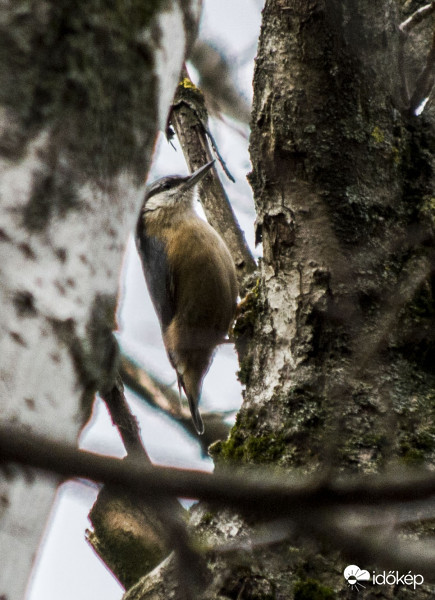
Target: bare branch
x: 125, y: 421
x: 189, y: 119
x: 153, y: 391
x: 368, y: 344
x: 425, y: 81
x: 164, y: 398
x: 253, y: 491
x: 267, y: 534
x: 390, y: 552
x: 417, y: 17
x: 375, y: 547
x: 125, y: 517
x: 217, y: 82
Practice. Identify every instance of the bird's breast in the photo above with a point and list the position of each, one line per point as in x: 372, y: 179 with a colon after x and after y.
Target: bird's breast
x: 204, y: 274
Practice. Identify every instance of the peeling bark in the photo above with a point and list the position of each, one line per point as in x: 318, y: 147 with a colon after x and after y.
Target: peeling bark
x: 341, y: 181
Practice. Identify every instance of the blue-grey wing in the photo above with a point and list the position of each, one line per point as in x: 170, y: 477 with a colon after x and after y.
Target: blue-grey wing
x: 158, y: 276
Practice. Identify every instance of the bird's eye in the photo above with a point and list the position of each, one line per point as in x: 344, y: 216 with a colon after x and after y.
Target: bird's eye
x: 170, y: 183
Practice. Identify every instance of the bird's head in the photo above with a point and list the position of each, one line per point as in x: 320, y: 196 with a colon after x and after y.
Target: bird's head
x: 170, y: 191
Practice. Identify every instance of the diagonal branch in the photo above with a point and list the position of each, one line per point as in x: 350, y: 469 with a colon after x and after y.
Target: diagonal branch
x: 217, y: 82
x: 417, y: 17
x: 163, y: 397
x: 189, y: 119
x: 153, y: 526
x: 426, y: 79
x: 390, y: 552
x: 125, y: 421
x: 254, y: 493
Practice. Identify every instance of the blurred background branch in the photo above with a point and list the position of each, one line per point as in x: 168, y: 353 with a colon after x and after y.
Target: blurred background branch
x: 158, y: 395
x: 132, y: 535
x: 310, y: 503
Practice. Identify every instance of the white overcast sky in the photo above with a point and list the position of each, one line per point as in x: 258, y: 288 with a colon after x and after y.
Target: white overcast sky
x: 67, y: 568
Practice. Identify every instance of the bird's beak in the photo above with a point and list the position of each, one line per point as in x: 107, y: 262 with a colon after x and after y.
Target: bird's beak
x: 196, y: 176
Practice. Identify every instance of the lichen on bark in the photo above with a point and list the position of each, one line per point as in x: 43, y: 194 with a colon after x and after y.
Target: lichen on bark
x: 80, y: 101
x: 337, y: 365
x: 86, y: 72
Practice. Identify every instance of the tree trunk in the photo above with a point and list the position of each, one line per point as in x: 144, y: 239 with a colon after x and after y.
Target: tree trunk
x: 339, y: 374
x: 83, y: 90
x: 339, y: 366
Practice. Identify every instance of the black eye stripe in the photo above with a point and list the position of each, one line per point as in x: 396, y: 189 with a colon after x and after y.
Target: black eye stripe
x: 161, y: 185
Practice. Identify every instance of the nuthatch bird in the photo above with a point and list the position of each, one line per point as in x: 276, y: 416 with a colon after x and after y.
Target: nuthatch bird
x: 191, y: 279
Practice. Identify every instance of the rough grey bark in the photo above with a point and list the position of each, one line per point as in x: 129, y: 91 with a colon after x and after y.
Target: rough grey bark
x: 83, y: 89
x: 337, y: 342
x: 342, y: 178
x: 342, y: 182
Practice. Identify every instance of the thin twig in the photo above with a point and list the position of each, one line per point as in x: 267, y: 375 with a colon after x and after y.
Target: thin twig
x: 125, y: 421
x: 353, y: 543
x: 404, y: 89
x: 425, y: 81
x: 369, y: 549
x: 368, y: 344
x: 166, y: 515
x: 164, y: 398
x: 154, y: 392
x: 417, y: 17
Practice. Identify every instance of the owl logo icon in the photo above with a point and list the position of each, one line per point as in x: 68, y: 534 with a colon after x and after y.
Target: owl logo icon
x: 354, y: 575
